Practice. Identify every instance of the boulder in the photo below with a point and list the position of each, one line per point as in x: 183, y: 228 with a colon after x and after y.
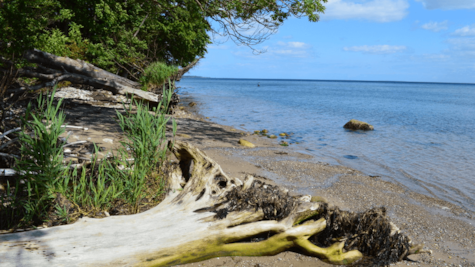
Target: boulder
x: 246, y: 143
x: 358, y: 125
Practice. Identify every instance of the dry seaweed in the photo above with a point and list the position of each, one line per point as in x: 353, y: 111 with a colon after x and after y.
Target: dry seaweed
x: 275, y: 204
x: 369, y: 232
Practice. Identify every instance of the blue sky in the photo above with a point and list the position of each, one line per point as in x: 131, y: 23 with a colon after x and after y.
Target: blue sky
x: 390, y: 40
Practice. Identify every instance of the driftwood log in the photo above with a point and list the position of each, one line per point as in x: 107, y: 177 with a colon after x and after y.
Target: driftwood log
x: 207, y: 214
x: 52, y: 69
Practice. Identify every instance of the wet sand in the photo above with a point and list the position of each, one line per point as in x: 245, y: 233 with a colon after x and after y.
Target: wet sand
x: 442, y: 227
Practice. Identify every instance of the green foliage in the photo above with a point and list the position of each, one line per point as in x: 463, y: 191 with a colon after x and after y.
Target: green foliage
x: 91, y: 189
x: 62, y: 213
x: 115, y: 35
x: 125, y: 36
x: 41, y: 155
x: 156, y: 74
x: 146, y: 132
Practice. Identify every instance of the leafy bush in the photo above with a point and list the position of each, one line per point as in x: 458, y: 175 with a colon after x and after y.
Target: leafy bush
x: 156, y: 74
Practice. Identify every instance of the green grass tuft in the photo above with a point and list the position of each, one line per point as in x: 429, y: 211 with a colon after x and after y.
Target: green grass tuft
x: 156, y: 74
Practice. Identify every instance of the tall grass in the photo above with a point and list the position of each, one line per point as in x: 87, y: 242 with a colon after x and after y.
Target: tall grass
x: 41, y: 156
x: 156, y: 74
x: 130, y: 177
x: 146, y: 139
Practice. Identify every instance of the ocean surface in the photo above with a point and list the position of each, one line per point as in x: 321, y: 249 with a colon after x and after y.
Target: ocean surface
x: 424, y: 137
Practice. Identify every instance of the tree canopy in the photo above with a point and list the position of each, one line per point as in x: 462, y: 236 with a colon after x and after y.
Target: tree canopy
x: 122, y: 36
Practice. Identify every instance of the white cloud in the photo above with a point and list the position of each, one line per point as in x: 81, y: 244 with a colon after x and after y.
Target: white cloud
x: 294, y: 49
x: 294, y: 44
x: 279, y: 50
x: 436, y: 26
x: 373, y: 10
x: 466, y: 31
x: 448, y: 4
x: 217, y: 47
x: 462, y: 43
x: 437, y: 57
x: 376, y: 49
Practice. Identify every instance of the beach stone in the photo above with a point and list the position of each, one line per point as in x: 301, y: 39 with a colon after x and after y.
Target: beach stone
x: 358, y: 125
x: 283, y: 134
x: 184, y: 135
x: 192, y: 104
x: 246, y: 143
x: 264, y: 131
x: 108, y: 140
x: 283, y: 143
x: 257, y: 132
x: 272, y: 136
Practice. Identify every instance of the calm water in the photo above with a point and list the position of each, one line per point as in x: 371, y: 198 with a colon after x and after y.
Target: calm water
x: 424, y: 134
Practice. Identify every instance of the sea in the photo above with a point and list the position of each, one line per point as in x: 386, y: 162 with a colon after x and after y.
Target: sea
x: 423, y: 138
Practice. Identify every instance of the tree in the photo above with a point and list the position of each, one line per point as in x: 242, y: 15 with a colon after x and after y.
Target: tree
x: 250, y: 22
x: 125, y: 36
x: 118, y: 36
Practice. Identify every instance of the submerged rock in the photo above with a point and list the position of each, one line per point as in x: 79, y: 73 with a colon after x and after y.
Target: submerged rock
x: 283, y: 143
x: 246, y: 143
x: 358, y: 125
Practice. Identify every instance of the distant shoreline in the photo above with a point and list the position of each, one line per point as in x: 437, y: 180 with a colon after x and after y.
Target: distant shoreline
x: 317, y: 80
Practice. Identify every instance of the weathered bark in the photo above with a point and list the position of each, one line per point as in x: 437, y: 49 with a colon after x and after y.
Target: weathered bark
x: 75, y: 66
x: 53, y: 69
x: 206, y: 214
x: 184, y: 70
x: 106, y: 84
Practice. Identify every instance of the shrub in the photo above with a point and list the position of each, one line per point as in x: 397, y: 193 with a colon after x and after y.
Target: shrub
x: 156, y: 74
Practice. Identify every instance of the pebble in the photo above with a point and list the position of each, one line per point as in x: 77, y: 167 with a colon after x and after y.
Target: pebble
x: 108, y: 140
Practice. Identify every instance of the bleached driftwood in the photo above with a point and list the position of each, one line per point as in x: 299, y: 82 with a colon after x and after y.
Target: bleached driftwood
x: 52, y: 69
x: 206, y: 214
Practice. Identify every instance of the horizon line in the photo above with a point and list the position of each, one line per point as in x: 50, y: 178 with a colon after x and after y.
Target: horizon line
x: 322, y: 80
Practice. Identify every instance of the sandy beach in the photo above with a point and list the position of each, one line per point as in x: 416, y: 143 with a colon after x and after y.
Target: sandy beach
x: 442, y: 227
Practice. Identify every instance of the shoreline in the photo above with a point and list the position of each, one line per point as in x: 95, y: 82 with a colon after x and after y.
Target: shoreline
x: 439, y: 225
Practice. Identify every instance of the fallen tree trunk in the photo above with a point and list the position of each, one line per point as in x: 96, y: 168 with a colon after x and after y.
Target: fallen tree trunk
x: 109, y: 85
x: 206, y: 214
x: 52, y: 69
x: 69, y: 65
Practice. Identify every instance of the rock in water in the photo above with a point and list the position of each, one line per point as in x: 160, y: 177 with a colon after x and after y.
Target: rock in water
x: 358, y: 125
x: 246, y: 143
